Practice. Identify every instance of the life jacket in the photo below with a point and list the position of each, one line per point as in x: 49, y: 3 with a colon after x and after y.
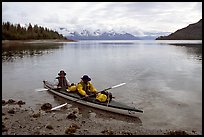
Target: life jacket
x: 86, y: 87
x: 62, y: 82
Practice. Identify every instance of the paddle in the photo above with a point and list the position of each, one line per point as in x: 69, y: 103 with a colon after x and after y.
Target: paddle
x: 102, y: 90
x: 41, y: 89
x: 59, y: 106
x: 113, y: 87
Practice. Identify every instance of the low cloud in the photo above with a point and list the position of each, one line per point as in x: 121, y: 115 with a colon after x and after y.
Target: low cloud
x: 135, y: 17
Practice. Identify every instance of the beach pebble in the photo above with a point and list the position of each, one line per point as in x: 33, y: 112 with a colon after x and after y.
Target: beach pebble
x: 48, y: 126
x: 177, y: 132
x: 76, y: 110
x: 69, y: 105
x: 92, y: 115
x: 72, y: 129
x: 11, y: 111
x: 108, y: 132
x: 36, y: 115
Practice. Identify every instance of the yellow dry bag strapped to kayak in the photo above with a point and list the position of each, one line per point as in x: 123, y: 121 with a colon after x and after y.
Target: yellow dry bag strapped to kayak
x: 72, y: 88
x: 104, y: 96
x: 101, y: 97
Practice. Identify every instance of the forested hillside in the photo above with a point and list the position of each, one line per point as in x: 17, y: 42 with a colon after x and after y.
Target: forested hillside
x: 17, y: 32
x: 191, y: 32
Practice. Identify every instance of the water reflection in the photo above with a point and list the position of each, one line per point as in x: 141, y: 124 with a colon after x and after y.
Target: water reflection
x: 193, y: 50
x: 11, y: 51
x: 163, y: 79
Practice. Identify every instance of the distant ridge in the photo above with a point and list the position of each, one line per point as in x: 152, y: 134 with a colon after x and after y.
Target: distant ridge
x: 191, y: 32
x: 86, y: 34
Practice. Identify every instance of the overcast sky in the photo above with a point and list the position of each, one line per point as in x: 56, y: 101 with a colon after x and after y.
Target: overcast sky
x: 132, y: 17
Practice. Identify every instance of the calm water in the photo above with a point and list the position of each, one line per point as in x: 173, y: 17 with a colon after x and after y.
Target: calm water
x: 164, y: 78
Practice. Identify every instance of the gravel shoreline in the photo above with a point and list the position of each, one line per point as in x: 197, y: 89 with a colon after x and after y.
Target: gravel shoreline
x: 72, y: 120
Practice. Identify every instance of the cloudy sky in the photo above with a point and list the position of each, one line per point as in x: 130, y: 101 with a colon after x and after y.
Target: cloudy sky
x: 132, y: 17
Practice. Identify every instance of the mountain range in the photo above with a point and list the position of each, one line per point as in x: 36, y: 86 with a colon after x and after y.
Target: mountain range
x: 191, y: 32
x: 107, y: 35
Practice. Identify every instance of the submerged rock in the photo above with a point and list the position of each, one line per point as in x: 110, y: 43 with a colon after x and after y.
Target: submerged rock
x: 46, y: 107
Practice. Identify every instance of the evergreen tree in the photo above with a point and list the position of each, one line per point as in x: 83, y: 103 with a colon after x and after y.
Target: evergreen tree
x: 16, y: 32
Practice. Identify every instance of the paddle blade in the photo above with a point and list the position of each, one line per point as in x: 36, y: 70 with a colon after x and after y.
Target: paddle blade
x: 59, y: 106
x: 41, y: 89
x: 118, y: 85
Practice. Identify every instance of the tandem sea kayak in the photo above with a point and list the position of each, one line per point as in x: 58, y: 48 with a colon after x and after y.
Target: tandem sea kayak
x: 112, y: 106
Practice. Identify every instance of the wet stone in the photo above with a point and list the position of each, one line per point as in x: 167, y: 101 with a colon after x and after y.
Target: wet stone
x: 72, y: 129
x: 126, y: 133
x: 4, y: 129
x: 83, y: 122
x: 11, y: 111
x: 108, y: 132
x: 75, y: 110
x: 36, y: 115
x: 177, y: 132
x: 46, y: 107
x: 49, y: 126
x: 11, y: 101
x: 71, y: 116
x: 20, y: 102
x: 5, y: 118
x: 4, y: 102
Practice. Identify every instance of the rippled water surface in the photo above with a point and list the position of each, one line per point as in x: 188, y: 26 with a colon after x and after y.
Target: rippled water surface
x: 163, y: 78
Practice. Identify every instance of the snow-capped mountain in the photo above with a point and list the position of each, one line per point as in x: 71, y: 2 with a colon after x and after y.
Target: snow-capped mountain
x: 100, y: 35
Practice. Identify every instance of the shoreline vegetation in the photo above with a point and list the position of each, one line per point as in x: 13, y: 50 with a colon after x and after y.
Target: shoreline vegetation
x: 17, y: 32
x: 36, y: 41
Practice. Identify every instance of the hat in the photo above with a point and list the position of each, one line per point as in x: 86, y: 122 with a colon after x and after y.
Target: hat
x: 62, y: 72
x: 86, y: 78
